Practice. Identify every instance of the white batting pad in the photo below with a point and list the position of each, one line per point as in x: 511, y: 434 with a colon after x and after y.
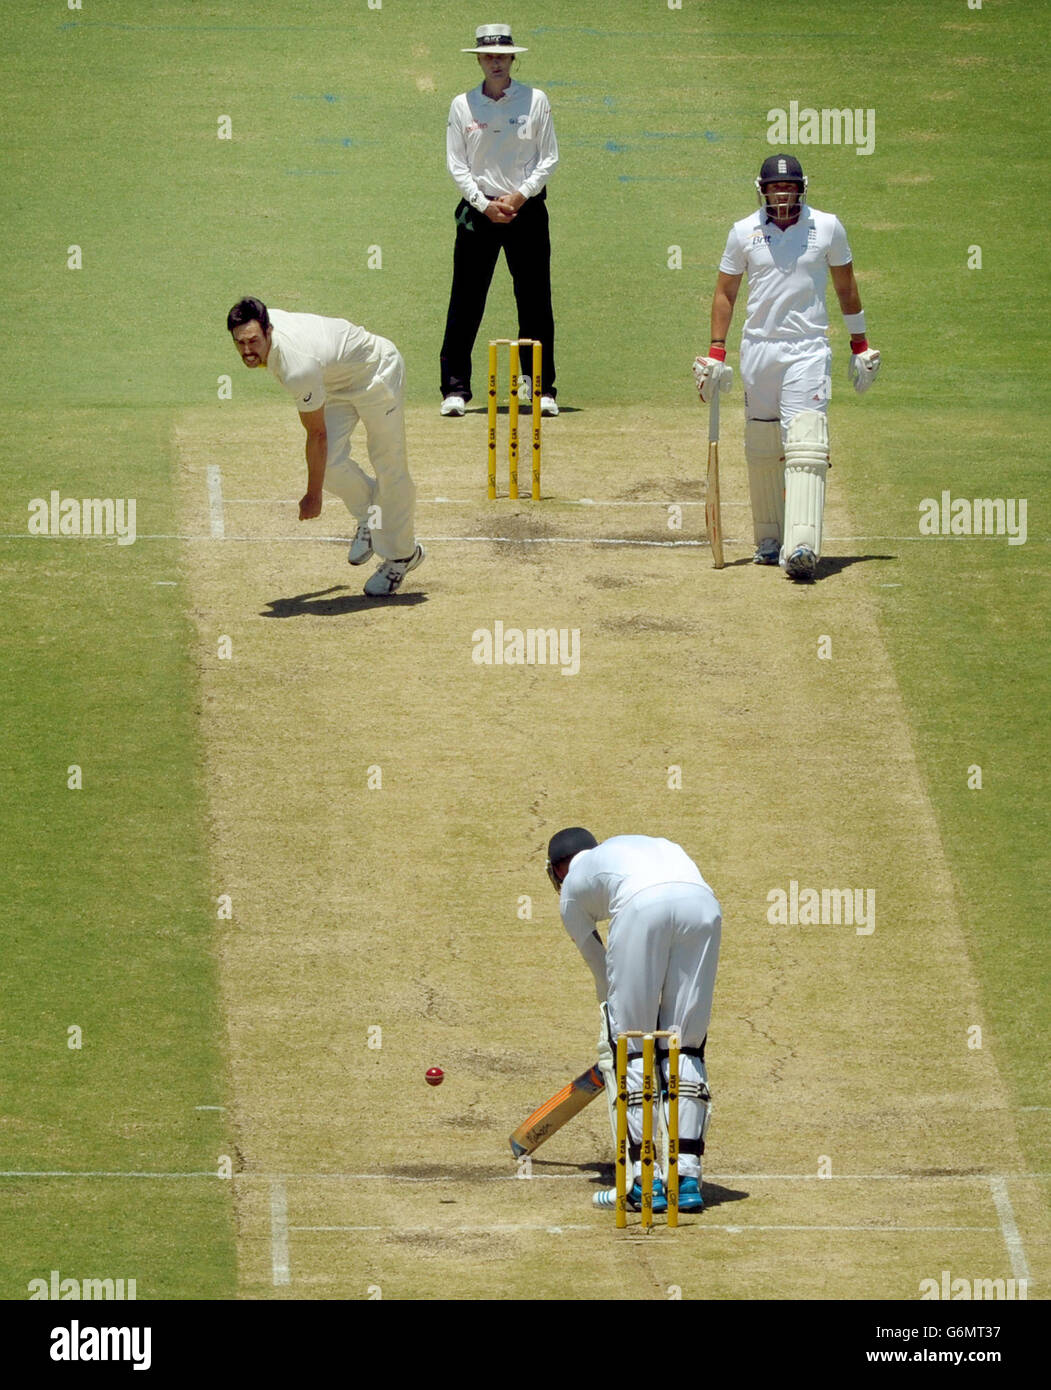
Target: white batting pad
x: 607, y: 1065
x: 806, y: 464
x: 766, y: 478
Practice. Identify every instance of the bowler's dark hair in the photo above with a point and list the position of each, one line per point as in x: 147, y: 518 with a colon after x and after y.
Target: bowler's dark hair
x: 244, y: 311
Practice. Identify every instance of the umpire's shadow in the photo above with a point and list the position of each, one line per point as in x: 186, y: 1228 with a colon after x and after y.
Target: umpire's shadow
x: 319, y: 605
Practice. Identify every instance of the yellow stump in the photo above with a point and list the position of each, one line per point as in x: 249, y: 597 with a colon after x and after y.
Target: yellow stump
x: 622, y: 1132
x: 512, y: 422
x: 537, y: 353
x: 647, y: 1130
x: 673, y: 1131
x: 492, y: 420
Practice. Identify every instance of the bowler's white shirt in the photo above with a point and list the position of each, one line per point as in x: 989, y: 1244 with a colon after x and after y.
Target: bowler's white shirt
x: 787, y: 271
x: 314, y: 357
x: 499, y: 147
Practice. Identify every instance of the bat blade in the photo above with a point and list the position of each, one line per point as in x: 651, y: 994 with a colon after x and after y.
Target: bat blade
x: 712, y: 512
x: 554, y: 1113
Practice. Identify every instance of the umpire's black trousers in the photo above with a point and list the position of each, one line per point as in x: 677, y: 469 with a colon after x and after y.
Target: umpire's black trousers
x: 526, y: 244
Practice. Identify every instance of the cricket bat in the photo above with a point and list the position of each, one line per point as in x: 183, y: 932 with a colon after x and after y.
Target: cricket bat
x: 554, y: 1113
x: 712, y: 514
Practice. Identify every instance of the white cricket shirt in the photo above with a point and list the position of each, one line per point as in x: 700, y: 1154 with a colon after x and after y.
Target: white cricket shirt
x: 499, y: 147
x: 787, y: 271
x: 601, y: 881
x: 314, y: 357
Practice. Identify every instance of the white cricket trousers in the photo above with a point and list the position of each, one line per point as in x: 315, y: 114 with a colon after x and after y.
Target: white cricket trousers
x: 783, y: 378
x: 661, y: 957
x: 388, y: 500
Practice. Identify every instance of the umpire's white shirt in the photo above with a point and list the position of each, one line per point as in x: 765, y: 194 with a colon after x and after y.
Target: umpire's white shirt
x: 787, y: 271
x: 499, y: 147
x: 314, y: 357
x: 601, y: 882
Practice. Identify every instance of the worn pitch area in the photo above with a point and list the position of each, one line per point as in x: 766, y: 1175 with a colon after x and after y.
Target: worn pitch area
x: 380, y: 807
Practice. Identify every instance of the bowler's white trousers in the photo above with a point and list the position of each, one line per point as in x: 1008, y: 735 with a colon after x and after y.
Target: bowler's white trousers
x: 388, y: 500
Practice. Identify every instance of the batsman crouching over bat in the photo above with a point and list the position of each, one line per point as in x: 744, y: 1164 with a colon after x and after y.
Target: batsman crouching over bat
x: 656, y: 971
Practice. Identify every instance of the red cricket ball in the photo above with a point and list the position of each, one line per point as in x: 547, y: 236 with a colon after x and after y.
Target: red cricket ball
x: 435, y: 1076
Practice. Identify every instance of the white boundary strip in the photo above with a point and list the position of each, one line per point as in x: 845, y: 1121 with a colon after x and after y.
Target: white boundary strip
x: 1009, y: 1228
x: 215, y: 502
x: 279, y: 1234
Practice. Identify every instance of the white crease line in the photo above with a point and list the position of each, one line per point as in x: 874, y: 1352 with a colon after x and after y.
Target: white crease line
x: 279, y: 1234
x: 705, y: 1224
x: 517, y: 540
x: 215, y: 502
x: 1009, y: 1227
x: 473, y: 502
x: 516, y: 1177
x: 502, y: 1229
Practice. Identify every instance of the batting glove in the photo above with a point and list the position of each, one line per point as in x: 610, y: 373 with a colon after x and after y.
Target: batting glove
x: 863, y: 367
x: 710, y: 375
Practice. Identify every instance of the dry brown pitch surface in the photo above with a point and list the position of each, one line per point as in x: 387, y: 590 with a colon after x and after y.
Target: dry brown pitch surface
x: 406, y: 908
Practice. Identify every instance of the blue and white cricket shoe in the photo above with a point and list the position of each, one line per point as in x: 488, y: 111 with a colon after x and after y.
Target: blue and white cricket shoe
x: 690, y: 1198
x: 608, y: 1197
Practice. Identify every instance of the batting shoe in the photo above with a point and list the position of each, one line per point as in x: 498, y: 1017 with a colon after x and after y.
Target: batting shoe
x: 608, y: 1197
x: 361, y: 545
x: 801, y: 565
x: 690, y: 1198
x: 768, y: 553
x: 453, y: 405
x: 387, y: 579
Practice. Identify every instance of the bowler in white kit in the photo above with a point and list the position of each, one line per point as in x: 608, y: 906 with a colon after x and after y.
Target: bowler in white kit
x: 338, y: 373
x: 788, y: 249
x: 656, y: 971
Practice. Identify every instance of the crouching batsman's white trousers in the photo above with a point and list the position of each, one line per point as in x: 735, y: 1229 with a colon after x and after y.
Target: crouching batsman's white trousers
x: 661, y: 958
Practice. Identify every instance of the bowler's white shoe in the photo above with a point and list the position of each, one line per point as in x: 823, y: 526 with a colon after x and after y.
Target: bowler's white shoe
x: 548, y: 405
x: 453, y: 405
x: 387, y: 579
x: 361, y: 545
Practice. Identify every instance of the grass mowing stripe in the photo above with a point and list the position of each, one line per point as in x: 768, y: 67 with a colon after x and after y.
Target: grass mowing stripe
x: 111, y: 1026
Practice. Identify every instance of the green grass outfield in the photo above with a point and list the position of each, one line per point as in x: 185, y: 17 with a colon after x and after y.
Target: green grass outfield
x: 338, y: 115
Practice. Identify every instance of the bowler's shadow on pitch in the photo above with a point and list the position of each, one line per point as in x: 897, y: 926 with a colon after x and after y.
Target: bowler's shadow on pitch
x: 318, y: 605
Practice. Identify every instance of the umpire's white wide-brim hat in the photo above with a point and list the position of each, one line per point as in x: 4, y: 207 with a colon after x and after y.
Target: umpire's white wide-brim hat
x: 494, y: 38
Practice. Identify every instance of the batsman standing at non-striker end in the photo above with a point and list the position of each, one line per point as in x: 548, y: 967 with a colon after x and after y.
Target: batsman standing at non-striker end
x: 501, y: 151
x: 339, y: 373
x: 787, y: 249
x: 656, y: 971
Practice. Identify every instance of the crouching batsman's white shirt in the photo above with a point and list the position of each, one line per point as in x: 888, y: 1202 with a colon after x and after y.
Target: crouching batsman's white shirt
x: 665, y: 923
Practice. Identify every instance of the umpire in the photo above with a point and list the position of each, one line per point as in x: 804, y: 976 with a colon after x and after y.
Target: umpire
x: 501, y: 151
